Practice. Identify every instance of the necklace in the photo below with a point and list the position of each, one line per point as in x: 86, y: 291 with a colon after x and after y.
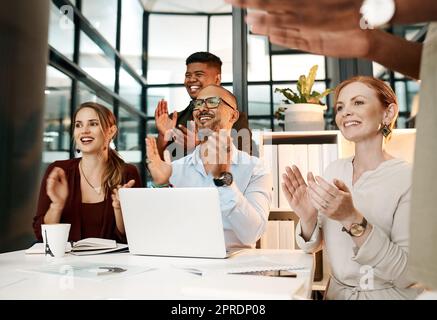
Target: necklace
x: 98, y: 190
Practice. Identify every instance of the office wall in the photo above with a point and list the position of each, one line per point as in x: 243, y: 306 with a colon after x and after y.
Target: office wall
x: 23, y: 59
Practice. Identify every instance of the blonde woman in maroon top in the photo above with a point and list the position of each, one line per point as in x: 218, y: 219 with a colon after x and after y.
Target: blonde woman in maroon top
x: 83, y: 191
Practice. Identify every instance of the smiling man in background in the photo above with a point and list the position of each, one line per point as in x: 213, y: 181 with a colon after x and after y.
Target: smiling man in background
x: 203, y: 69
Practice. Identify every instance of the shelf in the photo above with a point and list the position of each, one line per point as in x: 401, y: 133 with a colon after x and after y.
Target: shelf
x: 321, y: 285
x: 301, y: 137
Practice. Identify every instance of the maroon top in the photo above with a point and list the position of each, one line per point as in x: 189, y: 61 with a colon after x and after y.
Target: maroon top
x: 87, y: 219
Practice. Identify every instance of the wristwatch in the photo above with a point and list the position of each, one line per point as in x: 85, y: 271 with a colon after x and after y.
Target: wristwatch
x: 357, y: 229
x: 225, y: 179
x: 378, y: 13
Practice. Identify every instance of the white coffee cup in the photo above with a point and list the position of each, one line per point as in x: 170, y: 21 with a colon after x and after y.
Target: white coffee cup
x: 56, y: 236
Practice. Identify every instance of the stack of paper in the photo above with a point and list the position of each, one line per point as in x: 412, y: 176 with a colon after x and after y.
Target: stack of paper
x: 252, y: 264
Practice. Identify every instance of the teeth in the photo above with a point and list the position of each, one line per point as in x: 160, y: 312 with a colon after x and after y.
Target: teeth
x: 86, y: 139
x: 351, y: 123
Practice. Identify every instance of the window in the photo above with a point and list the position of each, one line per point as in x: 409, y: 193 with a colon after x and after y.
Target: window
x: 291, y: 66
x: 95, y: 75
x: 258, y: 66
x: 102, y: 14
x: 171, y: 40
x: 131, y: 42
x: 128, y: 137
x: 177, y: 99
x: 61, y: 31
x: 94, y: 62
x: 86, y: 94
x: 176, y: 36
x: 57, y: 119
x: 220, y: 43
x: 270, y: 67
x: 130, y: 89
x: 259, y: 100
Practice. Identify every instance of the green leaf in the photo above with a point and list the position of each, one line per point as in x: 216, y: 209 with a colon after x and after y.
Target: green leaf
x: 325, y: 93
x: 297, y: 99
x: 304, y: 90
x: 288, y: 93
x: 301, y: 83
x: 311, y: 78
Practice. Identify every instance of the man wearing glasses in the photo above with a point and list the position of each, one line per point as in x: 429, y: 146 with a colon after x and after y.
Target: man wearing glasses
x: 243, y: 182
x: 203, y: 69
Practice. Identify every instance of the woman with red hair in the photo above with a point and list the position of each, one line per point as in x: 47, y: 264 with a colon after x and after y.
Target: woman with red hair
x: 359, y: 211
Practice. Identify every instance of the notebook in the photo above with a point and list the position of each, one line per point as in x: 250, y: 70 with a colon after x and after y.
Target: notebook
x: 87, y: 246
x: 180, y: 222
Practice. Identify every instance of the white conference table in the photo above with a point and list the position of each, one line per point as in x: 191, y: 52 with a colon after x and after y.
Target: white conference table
x: 151, y: 277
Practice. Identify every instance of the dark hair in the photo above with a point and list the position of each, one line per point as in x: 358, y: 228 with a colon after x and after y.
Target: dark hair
x: 113, y: 174
x: 383, y: 91
x: 205, y: 57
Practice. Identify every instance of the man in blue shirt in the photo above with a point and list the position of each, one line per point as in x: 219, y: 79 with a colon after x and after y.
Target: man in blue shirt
x: 243, y: 182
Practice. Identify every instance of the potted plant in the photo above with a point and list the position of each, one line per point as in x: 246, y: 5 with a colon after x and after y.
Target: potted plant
x: 303, y: 110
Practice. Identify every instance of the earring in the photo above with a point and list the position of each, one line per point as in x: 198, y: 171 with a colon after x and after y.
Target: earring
x: 77, y: 150
x: 385, y: 130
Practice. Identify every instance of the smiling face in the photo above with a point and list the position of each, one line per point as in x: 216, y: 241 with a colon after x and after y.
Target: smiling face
x: 222, y: 117
x: 89, y: 133
x: 360, y: 113
x: 200, y: 75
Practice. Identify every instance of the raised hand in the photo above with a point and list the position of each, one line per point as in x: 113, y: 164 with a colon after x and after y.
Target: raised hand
x: 159, y: 169
x: 342, y: 44
x: 343, y: 14
x: 350, y: 43
x: 333, y: 200
x: 57, y: 188
x: 162, y: 119
x: 296, y: 193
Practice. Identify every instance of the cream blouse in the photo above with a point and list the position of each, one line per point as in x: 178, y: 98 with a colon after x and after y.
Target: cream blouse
x: 376, y: 270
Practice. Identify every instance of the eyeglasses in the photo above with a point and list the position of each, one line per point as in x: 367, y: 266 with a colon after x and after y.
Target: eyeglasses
x: 210, y: 103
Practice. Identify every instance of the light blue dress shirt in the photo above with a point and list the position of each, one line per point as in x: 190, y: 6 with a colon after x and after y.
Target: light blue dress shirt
x: 245, y: 204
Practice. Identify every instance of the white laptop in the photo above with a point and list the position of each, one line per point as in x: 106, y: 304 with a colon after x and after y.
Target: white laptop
x: 182, y: 222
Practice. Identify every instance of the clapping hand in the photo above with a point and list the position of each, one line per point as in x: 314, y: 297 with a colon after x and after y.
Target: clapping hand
x: 57, y: 188
x: 115, y: 197
x: 164, y: 123
x: 297, y: 194
x: 159, y: 169
x: 332, y: 200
